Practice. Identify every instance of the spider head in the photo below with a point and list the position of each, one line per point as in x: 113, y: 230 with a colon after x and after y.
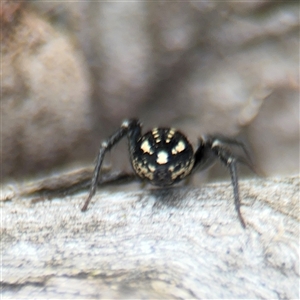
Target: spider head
x: 163, y: 156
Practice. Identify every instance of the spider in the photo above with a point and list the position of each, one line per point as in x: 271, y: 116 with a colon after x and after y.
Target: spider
x: 164, y: 156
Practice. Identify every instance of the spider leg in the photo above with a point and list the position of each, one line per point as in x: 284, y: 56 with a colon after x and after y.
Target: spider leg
x: 247, y: 161
x: 204, y: 157
x: 127, y: 127
x: 231, y: 163
x: 229, y: 160
x: 212, y: 147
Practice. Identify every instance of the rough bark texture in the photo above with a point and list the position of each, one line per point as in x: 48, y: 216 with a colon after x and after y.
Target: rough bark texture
x: 178, y: 243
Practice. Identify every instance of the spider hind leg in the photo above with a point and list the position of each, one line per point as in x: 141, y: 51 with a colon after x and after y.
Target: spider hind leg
x: 130, y: 128
x: 213, y: 147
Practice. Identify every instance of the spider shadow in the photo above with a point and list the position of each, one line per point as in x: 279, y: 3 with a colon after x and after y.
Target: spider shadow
x: 172, y: 197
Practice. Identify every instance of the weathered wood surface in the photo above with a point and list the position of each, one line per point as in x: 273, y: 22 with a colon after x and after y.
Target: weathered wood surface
x: 180, y: 243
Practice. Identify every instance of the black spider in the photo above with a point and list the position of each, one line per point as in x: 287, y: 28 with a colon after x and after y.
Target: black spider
x: 164, y: 156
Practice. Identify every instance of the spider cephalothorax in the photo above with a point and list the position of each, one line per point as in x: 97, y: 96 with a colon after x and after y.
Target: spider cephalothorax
x: 164, y: 156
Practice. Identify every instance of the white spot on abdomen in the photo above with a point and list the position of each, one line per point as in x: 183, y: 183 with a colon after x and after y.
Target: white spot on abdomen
x: 162, y: 157
x: 146, y: 147
x: 179, y: 147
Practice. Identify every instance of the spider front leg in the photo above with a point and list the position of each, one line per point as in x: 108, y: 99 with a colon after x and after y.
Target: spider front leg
x: 217, y: 147
x: 127, y: 127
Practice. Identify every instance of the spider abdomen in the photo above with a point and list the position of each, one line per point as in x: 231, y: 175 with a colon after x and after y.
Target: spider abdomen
x: 163, y: 156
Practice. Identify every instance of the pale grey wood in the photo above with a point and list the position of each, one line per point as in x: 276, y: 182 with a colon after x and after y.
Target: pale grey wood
x: 184, y: 242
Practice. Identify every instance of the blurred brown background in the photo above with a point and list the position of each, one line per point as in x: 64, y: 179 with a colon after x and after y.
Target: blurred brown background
x: 71, y: 72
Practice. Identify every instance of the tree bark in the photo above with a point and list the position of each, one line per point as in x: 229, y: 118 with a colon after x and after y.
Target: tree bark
x: 177, y: 243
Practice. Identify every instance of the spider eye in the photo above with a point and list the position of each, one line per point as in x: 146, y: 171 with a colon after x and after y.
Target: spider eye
x: 163, y: 156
